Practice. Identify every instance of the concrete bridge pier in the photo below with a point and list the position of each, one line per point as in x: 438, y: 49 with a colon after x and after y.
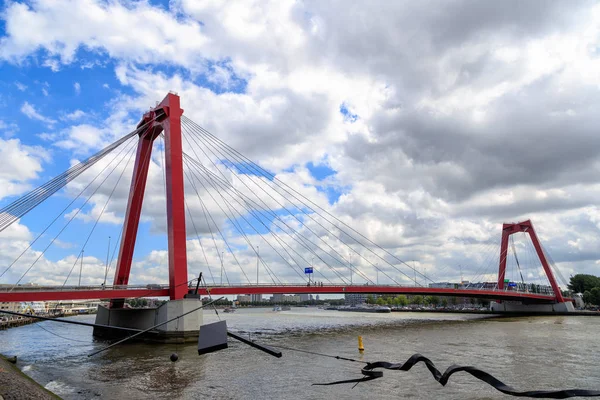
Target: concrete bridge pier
x: 515, y: 306
x: 185, y: 329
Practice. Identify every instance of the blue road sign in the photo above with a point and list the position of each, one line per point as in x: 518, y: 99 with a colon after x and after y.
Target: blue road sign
x: 512, y: 284
x: 308, y: 270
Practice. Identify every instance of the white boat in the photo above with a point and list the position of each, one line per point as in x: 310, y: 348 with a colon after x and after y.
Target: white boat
x: 276, y: 308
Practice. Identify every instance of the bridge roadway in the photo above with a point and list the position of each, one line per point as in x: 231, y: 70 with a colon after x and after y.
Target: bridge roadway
x: 45, y: 293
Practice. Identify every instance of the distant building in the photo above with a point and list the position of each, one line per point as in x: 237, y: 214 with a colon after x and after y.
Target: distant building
x: 244, y: 298
x: 304, y: 296
x: 277, y: 298
x: 353, y: 299
x: 10, y: 306
x: 291, y: 299
x: 285, y: 298
x: 257, y: 298
x: 317, y: 297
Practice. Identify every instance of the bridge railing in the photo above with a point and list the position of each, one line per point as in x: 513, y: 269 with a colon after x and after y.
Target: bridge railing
x: 465, y: 287
x: 36, y: 288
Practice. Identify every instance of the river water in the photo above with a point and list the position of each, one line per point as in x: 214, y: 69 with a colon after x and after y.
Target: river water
x: 527, y: 353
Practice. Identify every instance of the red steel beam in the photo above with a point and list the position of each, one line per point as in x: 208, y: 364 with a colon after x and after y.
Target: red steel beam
x: 88, y: 294
x: 16, y: 296
x: 134, y: 210
x: 490, y: 294
x: 175, y: 197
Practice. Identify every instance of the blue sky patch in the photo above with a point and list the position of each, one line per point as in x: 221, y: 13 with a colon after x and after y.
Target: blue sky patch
x: 348, y: 116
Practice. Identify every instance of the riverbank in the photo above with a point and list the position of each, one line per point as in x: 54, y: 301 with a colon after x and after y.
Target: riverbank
x: 16, y: 385
x: 507, y: 313
x: 15, y: 322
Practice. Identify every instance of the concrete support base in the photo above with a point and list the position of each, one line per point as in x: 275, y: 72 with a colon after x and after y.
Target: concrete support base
x: 185, y: 329
x: 510, y: 306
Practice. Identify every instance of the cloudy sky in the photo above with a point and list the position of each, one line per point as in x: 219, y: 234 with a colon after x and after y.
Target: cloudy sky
x: 423, y: 125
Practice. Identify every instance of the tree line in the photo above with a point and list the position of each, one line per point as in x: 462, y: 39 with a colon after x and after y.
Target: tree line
x: 402, y: 300
x: 589, y: 285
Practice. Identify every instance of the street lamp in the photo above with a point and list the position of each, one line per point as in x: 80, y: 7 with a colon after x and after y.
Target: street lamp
x: 222, y: 255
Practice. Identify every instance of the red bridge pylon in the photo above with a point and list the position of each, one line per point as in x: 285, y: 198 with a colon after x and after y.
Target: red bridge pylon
x: 166, y: 117
x: 525, y: 226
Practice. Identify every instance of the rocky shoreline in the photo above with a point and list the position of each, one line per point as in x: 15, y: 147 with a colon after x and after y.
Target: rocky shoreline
x: 16, y: 385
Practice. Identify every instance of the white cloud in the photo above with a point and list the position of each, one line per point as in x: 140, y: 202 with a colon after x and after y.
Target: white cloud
x: 21, y: 86
x: 8, y: 129
x: 161, y: 38
x: 30, y: 111
x: 75, y: 115
x: 467, y: 116
x: 77, y: 87
x: 20, y: 165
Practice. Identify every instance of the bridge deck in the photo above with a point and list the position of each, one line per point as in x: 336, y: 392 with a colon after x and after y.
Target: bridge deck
x: 19, y: 294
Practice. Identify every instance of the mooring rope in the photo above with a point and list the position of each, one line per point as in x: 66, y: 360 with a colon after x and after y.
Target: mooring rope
x: 369, y: 374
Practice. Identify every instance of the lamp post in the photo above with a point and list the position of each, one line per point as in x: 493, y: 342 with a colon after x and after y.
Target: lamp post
x: 350, y: 266
x: 80, y: 267
x: 107, y: 254
x: 222, y: 255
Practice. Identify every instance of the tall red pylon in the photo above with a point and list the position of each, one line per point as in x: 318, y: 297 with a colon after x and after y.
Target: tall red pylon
x: 525, y: 226
x: 166, y: 117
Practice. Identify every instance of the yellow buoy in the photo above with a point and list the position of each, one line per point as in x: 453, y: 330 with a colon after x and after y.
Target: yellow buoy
x: 361, y: 348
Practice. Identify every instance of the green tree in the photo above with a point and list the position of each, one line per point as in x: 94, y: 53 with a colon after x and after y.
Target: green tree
x: 370, y: 299
x: 595, y: 296
x: 445, y: 302
x: 435, y: 300
x: 418, y: 300
x: 401, y: 300
x: 587, y: 297
x: 581, y: 283
x: 380, y: 301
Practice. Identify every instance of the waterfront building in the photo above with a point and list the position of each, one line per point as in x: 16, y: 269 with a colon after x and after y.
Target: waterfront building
x: 256, y: 298
x: 246, y: 298
x: 293, y: 298
x: 305, y: 296
x: 353, y: 299
x: 10, y: 306
x: 276, y: 298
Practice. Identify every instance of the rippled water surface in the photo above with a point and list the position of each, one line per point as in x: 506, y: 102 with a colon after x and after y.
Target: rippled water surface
x: 527, y: 353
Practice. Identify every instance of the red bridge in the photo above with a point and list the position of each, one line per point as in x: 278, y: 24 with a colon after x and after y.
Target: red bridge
x: 291, y: 233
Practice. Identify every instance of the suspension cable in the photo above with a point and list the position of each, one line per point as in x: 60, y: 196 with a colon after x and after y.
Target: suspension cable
x: 292, y: 192
x: 342, y: 263
x: 68, y: 223
x: 23, y: 205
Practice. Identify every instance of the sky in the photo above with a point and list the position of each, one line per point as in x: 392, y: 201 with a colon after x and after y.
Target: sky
x: 422, y: 125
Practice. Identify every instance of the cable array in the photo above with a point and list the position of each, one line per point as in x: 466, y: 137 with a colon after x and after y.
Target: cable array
x: 247, y: 193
